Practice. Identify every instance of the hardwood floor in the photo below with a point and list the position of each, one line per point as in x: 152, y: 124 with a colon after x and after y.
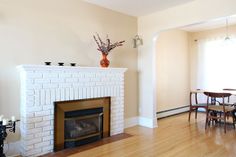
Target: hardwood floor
x: 70, y: 151
x: 175, y: 137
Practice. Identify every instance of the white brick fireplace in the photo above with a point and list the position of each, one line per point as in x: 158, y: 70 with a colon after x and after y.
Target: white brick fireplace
x: 42, y: 85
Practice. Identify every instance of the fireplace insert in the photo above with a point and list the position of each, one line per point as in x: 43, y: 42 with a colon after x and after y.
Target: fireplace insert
x: 83, y: 126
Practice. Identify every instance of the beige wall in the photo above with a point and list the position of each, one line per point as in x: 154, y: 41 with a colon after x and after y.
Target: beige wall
x: 172, y: 66
x: 201, y: 35
x: 213, y: 33
x: 176, y: 64
x: 150, y: 25
x: 35, y: 31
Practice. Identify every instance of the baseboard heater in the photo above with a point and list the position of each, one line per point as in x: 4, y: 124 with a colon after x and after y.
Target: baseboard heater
x: 172, y: 112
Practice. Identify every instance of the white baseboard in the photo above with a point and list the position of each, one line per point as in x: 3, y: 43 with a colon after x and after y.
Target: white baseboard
x: 130, y: 122
x: 172, y: 112
x: 148, y: 122
x: 142, y: 121
x: 12, y: 149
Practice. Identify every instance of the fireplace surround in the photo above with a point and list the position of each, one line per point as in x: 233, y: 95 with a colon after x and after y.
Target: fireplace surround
x: 79, y: 122
x: 42, y: 86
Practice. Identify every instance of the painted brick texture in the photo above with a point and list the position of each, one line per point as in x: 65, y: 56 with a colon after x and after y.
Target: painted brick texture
x: 41, y: 86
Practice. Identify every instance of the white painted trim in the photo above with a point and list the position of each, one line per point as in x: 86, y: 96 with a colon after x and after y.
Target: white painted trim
x: 172, y: 112
x: 148, y: 122
x: 130, y: 122
x: 12, y: 149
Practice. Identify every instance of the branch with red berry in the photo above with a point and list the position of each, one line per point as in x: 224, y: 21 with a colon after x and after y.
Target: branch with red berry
x: 106, y: 47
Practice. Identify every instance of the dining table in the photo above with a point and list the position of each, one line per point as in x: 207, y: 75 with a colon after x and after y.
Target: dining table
x: 231, y: 91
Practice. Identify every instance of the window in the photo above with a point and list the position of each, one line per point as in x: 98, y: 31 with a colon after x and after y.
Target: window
x: 216, y: 63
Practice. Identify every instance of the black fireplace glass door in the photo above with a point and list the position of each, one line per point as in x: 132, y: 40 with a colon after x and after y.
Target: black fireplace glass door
x: 83, y: 128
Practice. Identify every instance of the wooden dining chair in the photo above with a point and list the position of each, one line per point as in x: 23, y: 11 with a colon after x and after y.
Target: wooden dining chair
x: 229, y: 89
x: 231, y: 103
x: 196, y: 105
x: 215, y: 111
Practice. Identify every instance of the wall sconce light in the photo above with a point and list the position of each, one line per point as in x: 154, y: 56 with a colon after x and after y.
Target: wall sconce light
x: 137, y: 41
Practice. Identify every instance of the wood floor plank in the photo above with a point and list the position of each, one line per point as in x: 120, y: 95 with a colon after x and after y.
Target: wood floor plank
x: 104, y: 141
x: 174, y: 137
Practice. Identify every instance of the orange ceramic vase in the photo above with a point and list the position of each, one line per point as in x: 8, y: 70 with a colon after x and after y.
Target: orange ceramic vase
x: 104, y: 61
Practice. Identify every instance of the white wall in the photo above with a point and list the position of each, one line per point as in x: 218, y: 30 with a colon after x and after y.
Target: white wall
x: 172, y: 64
x: 35, y: 31
x: 150, y: 25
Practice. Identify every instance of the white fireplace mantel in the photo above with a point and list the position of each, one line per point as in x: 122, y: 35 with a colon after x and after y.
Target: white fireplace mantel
x: 68, y: 68
x: 42, y: 85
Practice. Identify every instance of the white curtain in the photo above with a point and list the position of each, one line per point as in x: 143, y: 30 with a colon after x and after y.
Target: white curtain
x: 216, y: 63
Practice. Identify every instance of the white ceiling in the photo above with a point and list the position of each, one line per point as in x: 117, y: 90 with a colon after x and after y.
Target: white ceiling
x: 217, y: 23
x: 137, y: 7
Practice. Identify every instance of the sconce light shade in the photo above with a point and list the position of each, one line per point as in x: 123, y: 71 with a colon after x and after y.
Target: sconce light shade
x: 137, y: 41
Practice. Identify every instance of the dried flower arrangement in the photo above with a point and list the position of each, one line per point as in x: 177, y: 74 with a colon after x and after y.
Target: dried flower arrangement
x: 106, y: 47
